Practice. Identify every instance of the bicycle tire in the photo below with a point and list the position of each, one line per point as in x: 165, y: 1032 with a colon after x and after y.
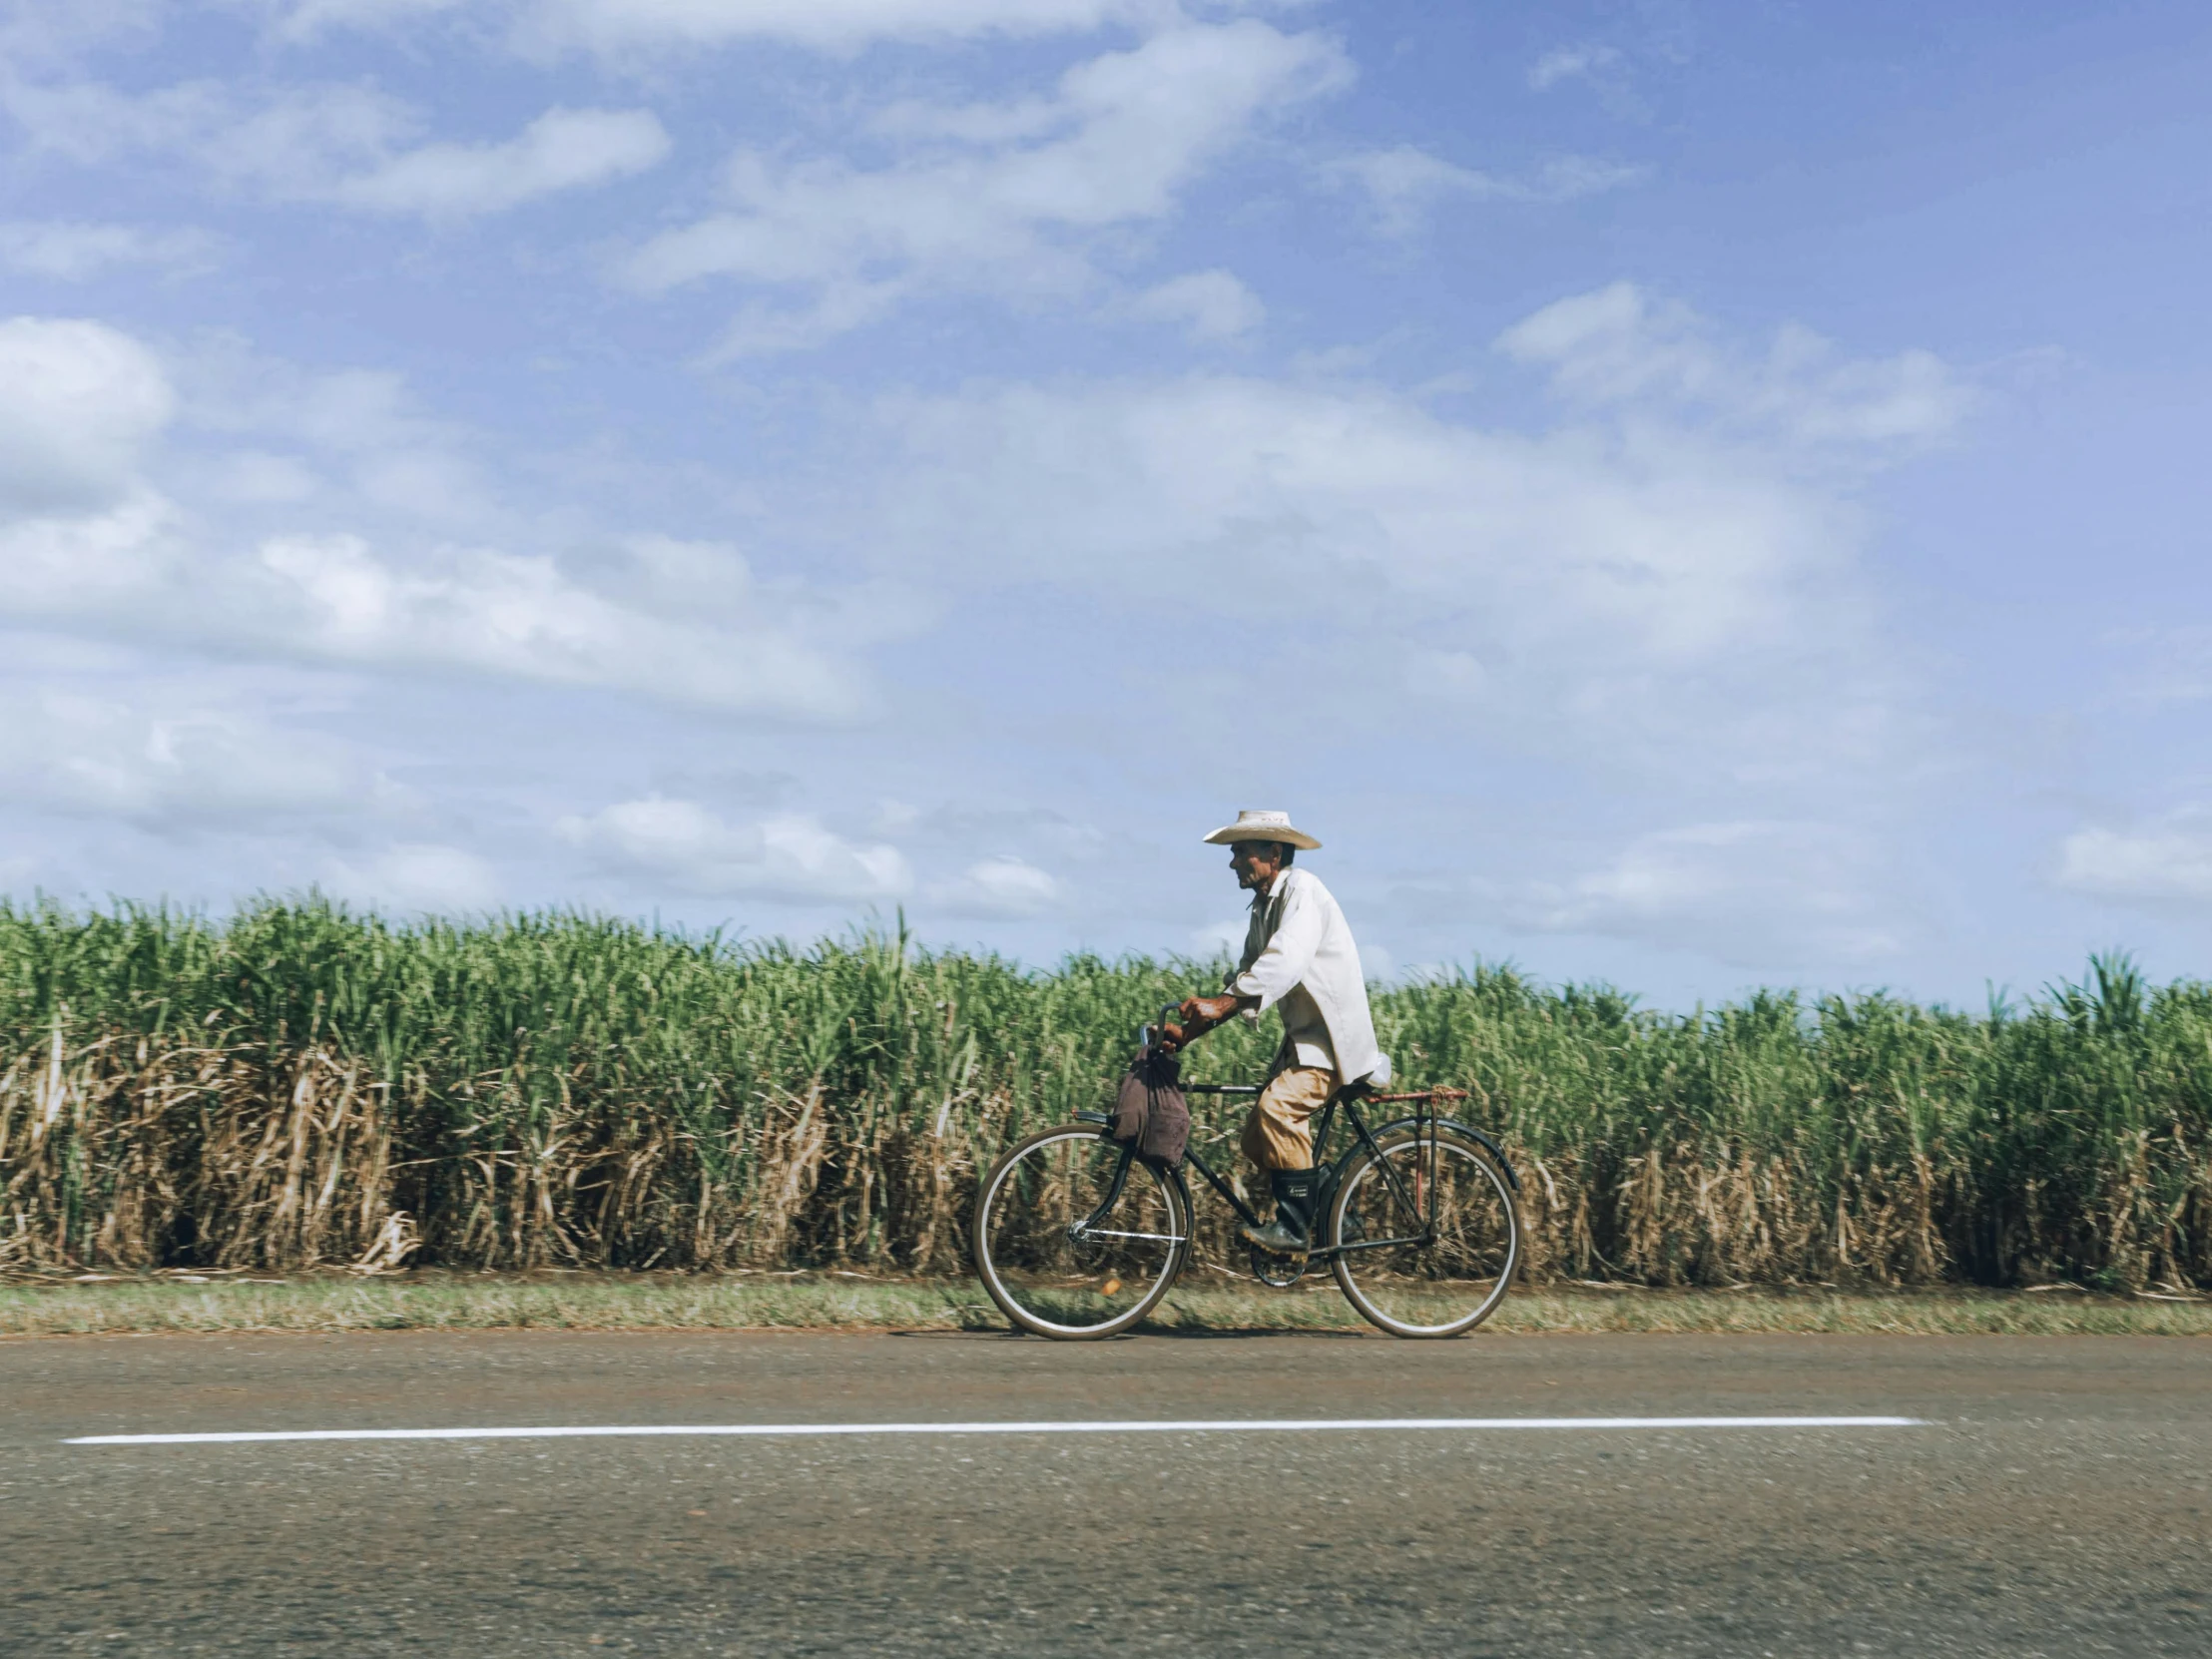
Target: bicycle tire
x: 1442, y: 1286
x: 1050, y: 1282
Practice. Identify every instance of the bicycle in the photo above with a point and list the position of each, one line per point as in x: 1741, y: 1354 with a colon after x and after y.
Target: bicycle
x: 1076, y: 1237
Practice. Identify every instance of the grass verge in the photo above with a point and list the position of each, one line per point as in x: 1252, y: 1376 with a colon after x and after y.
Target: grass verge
x: 622, y: 1301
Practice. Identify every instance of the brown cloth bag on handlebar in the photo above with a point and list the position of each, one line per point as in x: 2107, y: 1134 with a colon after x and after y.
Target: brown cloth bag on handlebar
x: 1150, y: 1112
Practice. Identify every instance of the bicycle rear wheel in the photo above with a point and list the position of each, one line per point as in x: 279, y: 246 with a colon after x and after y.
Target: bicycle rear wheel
x: 1074, y: 1239
x: 1428, y: 1235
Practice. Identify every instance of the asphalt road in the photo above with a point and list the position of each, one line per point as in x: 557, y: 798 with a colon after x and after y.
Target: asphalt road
x: 2058, y: 1499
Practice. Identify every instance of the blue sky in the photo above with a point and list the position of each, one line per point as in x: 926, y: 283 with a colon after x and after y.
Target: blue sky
x: 1692, y: 496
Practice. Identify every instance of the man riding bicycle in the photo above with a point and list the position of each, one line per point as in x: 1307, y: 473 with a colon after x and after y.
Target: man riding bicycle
x: 1298, y: 956
x: 1079, y: 1232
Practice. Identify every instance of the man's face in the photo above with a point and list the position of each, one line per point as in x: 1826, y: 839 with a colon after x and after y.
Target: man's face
x: 1256, y: 863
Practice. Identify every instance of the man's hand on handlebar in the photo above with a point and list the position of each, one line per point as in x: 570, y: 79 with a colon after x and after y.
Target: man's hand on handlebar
x: 1199, y: 1014
x: 1193, y: 1018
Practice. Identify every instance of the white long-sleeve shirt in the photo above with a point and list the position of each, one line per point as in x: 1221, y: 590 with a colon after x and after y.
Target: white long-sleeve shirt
x: 1298, y: 953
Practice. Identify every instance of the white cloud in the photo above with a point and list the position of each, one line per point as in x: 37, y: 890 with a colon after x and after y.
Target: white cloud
x: 131, y: 573
x: 1619, y: 347
x: 305, y: 20
x: 561, y: 150
x: 1002, y: 887
x: 356, y: 436
x: 1564, y: 63
x: 349, y: 146
x: 78, y: 402
x: 1404, y: 184
x: 1670, y: 589
x: 71, y: 252
x: 287, y: 140
x: 1569, y: 177
x: 88, y: 540
x: 116, y: 560
x: 40, y: 31
x: 256, y: 477
x: 634, y: 26
x: 2166, y: 862
x: 835, y: 25
x: 511, y: 613
x: 1756, y: 893
x: 163, y: 757
x: 419, y: 876
x: 1563, y: 575
x: 684, y: 848
x: 1212, y: 304
x: 1006, y: 199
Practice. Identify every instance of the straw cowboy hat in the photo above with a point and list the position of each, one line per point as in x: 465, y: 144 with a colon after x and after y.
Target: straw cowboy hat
x: 1262, y: 826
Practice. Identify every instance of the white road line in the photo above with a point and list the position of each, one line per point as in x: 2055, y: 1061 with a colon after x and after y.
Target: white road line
x: 1212, y: 1425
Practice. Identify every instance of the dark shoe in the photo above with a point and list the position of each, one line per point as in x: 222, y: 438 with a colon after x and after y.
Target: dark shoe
x: 1293, y: 1226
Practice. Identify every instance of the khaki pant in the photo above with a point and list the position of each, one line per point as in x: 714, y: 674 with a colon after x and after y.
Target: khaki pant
x: 1277, y: 1134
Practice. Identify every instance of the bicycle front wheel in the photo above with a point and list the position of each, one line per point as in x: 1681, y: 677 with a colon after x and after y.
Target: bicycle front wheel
x: 1428, y: 1235
x: 1074, y: 1237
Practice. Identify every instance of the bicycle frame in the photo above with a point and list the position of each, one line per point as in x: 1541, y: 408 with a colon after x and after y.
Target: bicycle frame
x: 1423, y: 1121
